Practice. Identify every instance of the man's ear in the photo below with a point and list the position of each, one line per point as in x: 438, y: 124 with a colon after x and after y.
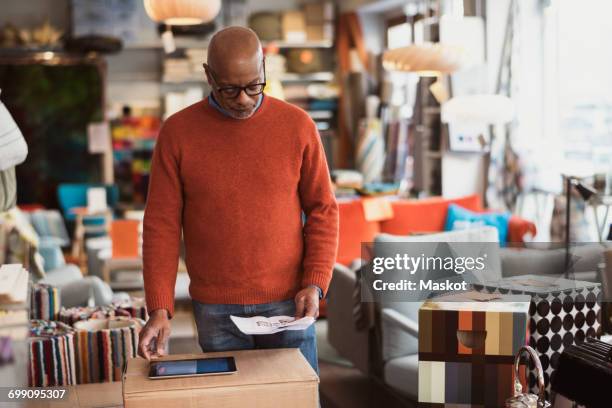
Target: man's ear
x: 208, y: 78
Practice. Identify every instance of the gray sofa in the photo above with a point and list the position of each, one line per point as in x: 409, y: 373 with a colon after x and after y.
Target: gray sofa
x: 386, y: 345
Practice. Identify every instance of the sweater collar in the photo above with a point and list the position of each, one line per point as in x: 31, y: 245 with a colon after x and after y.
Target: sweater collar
x: 213, y: 102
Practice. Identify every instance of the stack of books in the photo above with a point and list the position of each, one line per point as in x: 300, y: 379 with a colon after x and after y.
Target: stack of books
x: 14, y: 302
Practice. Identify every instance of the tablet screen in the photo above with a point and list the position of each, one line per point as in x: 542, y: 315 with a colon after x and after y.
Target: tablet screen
x: 201, y: 366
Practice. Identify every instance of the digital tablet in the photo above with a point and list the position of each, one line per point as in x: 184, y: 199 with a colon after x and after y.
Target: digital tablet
x: 192, y: 368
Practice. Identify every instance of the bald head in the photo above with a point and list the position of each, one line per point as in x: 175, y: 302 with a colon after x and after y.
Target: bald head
x: 234, y: 46
x: 235, y: 61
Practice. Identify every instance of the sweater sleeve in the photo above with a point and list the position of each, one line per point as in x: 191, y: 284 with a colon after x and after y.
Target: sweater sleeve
x: 162, y: 224
x: 321, y: 210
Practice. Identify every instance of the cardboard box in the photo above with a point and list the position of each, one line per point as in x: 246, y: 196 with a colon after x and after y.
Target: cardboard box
x: 467, y: 344
x: 313, y: 13
x: 294, y: 26
x: 265, y: 378
x: 563, y: 312
x: 318, y: 13
x: 315, y: 33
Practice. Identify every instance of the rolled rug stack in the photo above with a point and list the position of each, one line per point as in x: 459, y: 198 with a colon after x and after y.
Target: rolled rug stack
x: 103, y: 347
x: 52, y: 354
x: 44, y: 302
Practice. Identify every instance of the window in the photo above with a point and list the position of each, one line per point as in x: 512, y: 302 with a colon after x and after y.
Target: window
x: 578, y: 87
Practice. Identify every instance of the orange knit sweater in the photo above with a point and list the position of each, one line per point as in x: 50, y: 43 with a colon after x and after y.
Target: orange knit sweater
x: 237, y: 189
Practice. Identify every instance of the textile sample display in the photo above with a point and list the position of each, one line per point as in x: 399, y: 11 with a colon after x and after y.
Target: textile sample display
x: 52, y: 354
x: 103, y: 347
x: 44, y: 302
x: 134, y: 307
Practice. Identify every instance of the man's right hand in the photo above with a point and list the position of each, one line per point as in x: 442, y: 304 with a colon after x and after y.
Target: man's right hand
x: 156, y: 331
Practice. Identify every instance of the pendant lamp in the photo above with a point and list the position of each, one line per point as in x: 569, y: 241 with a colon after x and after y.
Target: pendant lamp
x: 182, y: 12
x: 427, y: 59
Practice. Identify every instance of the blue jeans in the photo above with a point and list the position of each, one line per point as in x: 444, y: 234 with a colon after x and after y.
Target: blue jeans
x: 216, y: 331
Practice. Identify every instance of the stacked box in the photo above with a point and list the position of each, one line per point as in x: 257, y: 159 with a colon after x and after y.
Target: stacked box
x: 467, y: 345
x: 563, y: 312
x: 319, y: 19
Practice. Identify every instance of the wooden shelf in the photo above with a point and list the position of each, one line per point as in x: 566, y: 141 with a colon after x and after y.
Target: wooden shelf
x: 307, y: 44
x: 315, y: 77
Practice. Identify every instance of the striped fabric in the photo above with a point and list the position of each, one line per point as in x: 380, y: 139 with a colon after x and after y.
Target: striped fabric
x: 103, y: 347
x: 370, y: 151
x: 467, y: 348
x: 51, y: 354
x: 44, y: 302
x: 134, y: 307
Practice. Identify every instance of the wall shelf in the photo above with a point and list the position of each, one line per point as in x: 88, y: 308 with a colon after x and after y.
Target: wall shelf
x: 307, y: 44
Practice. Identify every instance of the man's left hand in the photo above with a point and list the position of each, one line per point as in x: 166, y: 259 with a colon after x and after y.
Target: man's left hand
x: 307, y: 303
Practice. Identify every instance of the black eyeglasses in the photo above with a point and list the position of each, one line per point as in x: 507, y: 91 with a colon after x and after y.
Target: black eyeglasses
x: 232, y: 91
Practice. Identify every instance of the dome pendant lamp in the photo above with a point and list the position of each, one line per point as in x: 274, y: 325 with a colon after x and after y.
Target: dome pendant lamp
x: 182, y: 12
x: 429, y: 59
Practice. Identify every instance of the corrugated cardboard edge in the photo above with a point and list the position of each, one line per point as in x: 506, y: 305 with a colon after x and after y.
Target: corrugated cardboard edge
x: 140, y: 394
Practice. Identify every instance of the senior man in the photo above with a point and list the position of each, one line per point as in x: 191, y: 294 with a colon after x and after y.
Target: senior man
x: 235, y: 173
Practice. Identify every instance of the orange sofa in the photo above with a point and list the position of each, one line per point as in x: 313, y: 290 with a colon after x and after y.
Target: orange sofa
x: 409, y: 217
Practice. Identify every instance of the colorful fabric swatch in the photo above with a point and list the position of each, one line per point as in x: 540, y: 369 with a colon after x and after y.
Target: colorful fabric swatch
x: 467, y: 348
x: 52, y: 354
x: 44, y: 302
x: 485, y: 382
x: 134, y: 307
x: 103, y: 347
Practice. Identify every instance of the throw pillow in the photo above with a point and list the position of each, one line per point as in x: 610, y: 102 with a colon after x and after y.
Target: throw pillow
x: 459, y: 218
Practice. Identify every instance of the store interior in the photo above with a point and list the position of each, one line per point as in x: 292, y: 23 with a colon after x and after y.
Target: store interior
x: 437, y: 117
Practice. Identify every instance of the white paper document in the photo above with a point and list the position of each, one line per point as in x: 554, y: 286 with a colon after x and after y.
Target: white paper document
x: 270, y: 325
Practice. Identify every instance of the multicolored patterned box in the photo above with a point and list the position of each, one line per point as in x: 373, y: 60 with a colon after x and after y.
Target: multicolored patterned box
x: 563, y: 312
x: 467, y: 344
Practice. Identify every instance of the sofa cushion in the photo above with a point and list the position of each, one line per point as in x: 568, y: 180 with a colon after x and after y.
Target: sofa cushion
x: 402, y: 374
x: 353, y: 230
x: 539, y: 260
x: 459, y: 218
x: 424, y: 216
x: 520, y: 230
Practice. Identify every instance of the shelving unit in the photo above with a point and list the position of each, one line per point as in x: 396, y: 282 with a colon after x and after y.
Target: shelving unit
x: 322, y: 111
